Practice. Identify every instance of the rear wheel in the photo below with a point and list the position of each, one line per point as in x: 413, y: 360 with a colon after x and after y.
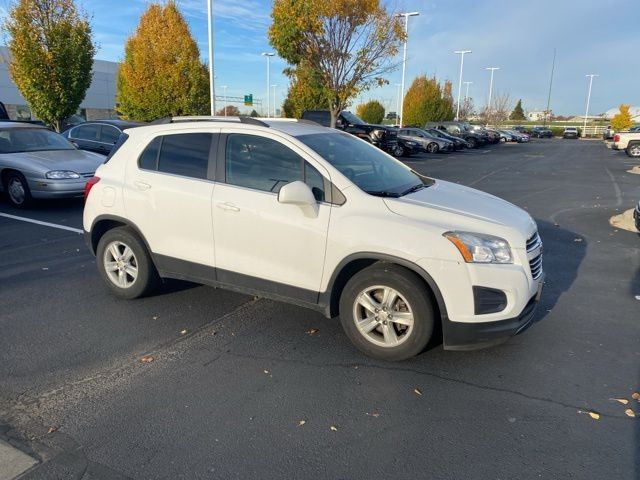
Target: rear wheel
x: 125, y: 264
x: 633, y: 150
x: 473, y: 142
x: 17, y: 190
x: 433, y: 147
x: 386, y: 312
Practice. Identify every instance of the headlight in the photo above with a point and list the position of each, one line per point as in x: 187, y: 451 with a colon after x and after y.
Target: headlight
x: 480, y: 248
x: 61, y: 174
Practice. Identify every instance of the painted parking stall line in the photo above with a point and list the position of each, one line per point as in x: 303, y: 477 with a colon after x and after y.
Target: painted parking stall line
x: 45, y: 224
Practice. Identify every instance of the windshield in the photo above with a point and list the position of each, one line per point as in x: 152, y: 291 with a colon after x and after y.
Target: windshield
x: 16, y: 140
x: 352, y: 119
x: 365, y: 165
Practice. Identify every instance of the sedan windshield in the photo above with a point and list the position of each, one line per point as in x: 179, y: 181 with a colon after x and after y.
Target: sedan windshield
x: 16, y: 140
x: 365, y: 165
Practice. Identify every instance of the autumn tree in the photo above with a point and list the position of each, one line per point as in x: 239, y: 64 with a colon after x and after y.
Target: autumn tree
x: 232, y: 111
x: 347, y: 45
x: 50, y: 58
x: 161, y: 74
x: 467, y: 109
x: 518, y: 112
x: 371, y: 112
x: 622, y: 120
x: 305, y: 93
x: 427, y: 101
x: 498, y: 113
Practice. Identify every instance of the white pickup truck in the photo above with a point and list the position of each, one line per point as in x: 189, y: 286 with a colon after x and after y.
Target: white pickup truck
x: 627, y: 141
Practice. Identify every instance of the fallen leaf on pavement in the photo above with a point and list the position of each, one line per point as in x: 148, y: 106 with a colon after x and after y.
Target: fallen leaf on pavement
x: 635, y: 396
x: 594, y: 415
x: 313, y: 331
x: 630, y: 413
x: 51, y: 429
x: 623, y: 401
x: 182, y: 332
x: 155, y: 317
x: 417, y: 391
x: 637, y: 297
x: 577, y: 239
x: 333, y: 429
x: 301, y: 423
x: 147, y: 359
x: 374, y: 414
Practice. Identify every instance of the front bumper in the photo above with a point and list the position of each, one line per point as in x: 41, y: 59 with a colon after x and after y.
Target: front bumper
x: 46, y: 188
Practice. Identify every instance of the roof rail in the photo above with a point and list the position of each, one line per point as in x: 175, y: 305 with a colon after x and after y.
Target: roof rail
x: 184, y: 119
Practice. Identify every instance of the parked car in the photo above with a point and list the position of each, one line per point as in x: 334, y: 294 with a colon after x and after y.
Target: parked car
x: 541, y: 132
x: 494, y: 135
x: 298, y: 211
x: 635, y: 129
x: 505, y: 136
x: 36, y: 163
x: 629, y: 142
x: 383, y: 137
x: 570, y: 132
x: 428, y: 143
x: 407, y: 147
x: 459, y: 143
x: 519, y: 136
x: 636, y: 216
x: 521, y: 129
x: 459, y: 129
x: 98, y: 135
x: 608, y: 133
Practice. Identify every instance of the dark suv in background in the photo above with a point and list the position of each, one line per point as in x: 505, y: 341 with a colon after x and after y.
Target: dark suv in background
x: 541, y: 132
x: 461, y: 130
x: 383, y: 137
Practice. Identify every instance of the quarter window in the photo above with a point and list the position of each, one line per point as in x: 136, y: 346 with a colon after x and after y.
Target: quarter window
x: 149, y: 158
x: 109, y: 135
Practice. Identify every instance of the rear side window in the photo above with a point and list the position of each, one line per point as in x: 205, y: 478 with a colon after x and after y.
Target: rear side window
x: 185, y: 154
x: 109, y: 134
x: 87, y: 132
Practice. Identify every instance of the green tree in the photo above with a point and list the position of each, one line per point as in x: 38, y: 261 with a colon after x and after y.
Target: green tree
x: 518, y: 112
x: 427, y: 101
x: 305, y: 93
x: 51, y: 54
x: 161, y: 74
x: 254, y: 114
x: 347, y: 45
x: 622, y: 120
x: 371, y: 112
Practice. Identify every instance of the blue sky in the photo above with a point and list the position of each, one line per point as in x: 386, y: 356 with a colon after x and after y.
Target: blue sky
x: 591, y: 36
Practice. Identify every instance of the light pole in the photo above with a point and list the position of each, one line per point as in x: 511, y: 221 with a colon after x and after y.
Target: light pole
x: 493, y: 69
x: 274, y: 100
x: 591, y: 75
x: 404, y: 56
x: 461, y: 53
x: 466, y: 98
x: 398, y: 104
x: 466, y: 95
x: 212, y: 90
x: 268, y: 55
x: 224, y: 95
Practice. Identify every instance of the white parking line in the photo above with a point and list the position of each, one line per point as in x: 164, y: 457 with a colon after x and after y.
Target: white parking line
x: 38, y: 222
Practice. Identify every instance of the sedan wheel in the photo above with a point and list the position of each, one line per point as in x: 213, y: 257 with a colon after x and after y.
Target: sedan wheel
x: 398, y: 151
x: 433, y: 147
x: 17, y: 190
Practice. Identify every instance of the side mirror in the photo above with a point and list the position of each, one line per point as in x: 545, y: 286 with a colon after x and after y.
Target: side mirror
x: 299, y: 193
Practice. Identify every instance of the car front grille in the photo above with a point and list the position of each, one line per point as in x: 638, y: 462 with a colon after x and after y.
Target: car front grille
x: 87, y: 174
x: 535, y: 263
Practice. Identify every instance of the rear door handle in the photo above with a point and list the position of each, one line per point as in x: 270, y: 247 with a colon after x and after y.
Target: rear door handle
x: 228, y: 206
x: 142, y: 186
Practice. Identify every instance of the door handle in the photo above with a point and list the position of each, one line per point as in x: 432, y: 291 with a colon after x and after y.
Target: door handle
x: 229, y: 207
x: 142, y: 186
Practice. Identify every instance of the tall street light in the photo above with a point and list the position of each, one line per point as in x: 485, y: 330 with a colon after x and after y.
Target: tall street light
x: 268, y: 55
x: 404, y: 57
x: 493, y: 69
x: 398, y: 104
x: 461, y: 53
x: 224, y: 95
x: 591, y: 75
x: 212, y: 90
x: 274, y: 100
x: 466, y: 95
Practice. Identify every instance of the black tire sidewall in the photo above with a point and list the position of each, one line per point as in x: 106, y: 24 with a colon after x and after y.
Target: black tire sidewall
x: 412, y: 288
x: 28, y: 199
x: 147, y: 274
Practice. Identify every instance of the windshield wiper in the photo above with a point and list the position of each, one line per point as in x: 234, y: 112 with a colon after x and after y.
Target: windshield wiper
x: 415, y: 188
x: 382, y: 193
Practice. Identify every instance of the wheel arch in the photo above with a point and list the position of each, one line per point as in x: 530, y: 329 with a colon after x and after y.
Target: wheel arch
x: 356, y: 262
x: 103, y: 223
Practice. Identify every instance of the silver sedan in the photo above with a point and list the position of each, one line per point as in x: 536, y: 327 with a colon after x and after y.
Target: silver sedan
x: 38, y: 163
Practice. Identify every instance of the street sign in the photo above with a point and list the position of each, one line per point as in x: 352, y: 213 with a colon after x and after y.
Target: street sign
x: 248, y: 100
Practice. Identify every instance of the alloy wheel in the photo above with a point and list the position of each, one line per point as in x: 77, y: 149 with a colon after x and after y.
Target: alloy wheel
x: 120, y: 264
x: 16, y: 191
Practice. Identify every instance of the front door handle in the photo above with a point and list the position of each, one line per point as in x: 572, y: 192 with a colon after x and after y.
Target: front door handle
x: 142, y: 186
x: 228, y: 206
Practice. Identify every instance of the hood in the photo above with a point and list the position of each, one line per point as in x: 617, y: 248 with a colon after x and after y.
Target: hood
x: 455, y: 207
x: 78, y: 161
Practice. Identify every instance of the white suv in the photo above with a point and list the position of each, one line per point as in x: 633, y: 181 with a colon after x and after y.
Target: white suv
x: 293, y: 211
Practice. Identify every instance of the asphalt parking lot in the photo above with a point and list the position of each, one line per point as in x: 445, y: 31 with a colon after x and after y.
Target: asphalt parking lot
x: 240, y: 387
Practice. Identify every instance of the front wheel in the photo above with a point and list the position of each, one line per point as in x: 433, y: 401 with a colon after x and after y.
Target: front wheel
x: 17, y: 189
x: 387, y: 313
x: 433, y: 147
x: 398, y: 151
x: 125, y: 264
x: 472, y: 142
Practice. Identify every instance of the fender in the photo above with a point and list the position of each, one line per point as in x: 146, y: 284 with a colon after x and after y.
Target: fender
x: 89, y: 235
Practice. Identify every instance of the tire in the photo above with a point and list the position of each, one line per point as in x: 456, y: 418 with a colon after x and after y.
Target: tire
x: 17, y: 190
x: 473, y: 142
x: 503, y: 140
x: 633, y: 150
x: 398, y: 151
x: 387, y: 339
x: 114, y: 245
x: 433, y: 147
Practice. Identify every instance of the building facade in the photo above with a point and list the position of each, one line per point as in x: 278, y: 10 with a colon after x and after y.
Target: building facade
x: 99, y: 103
